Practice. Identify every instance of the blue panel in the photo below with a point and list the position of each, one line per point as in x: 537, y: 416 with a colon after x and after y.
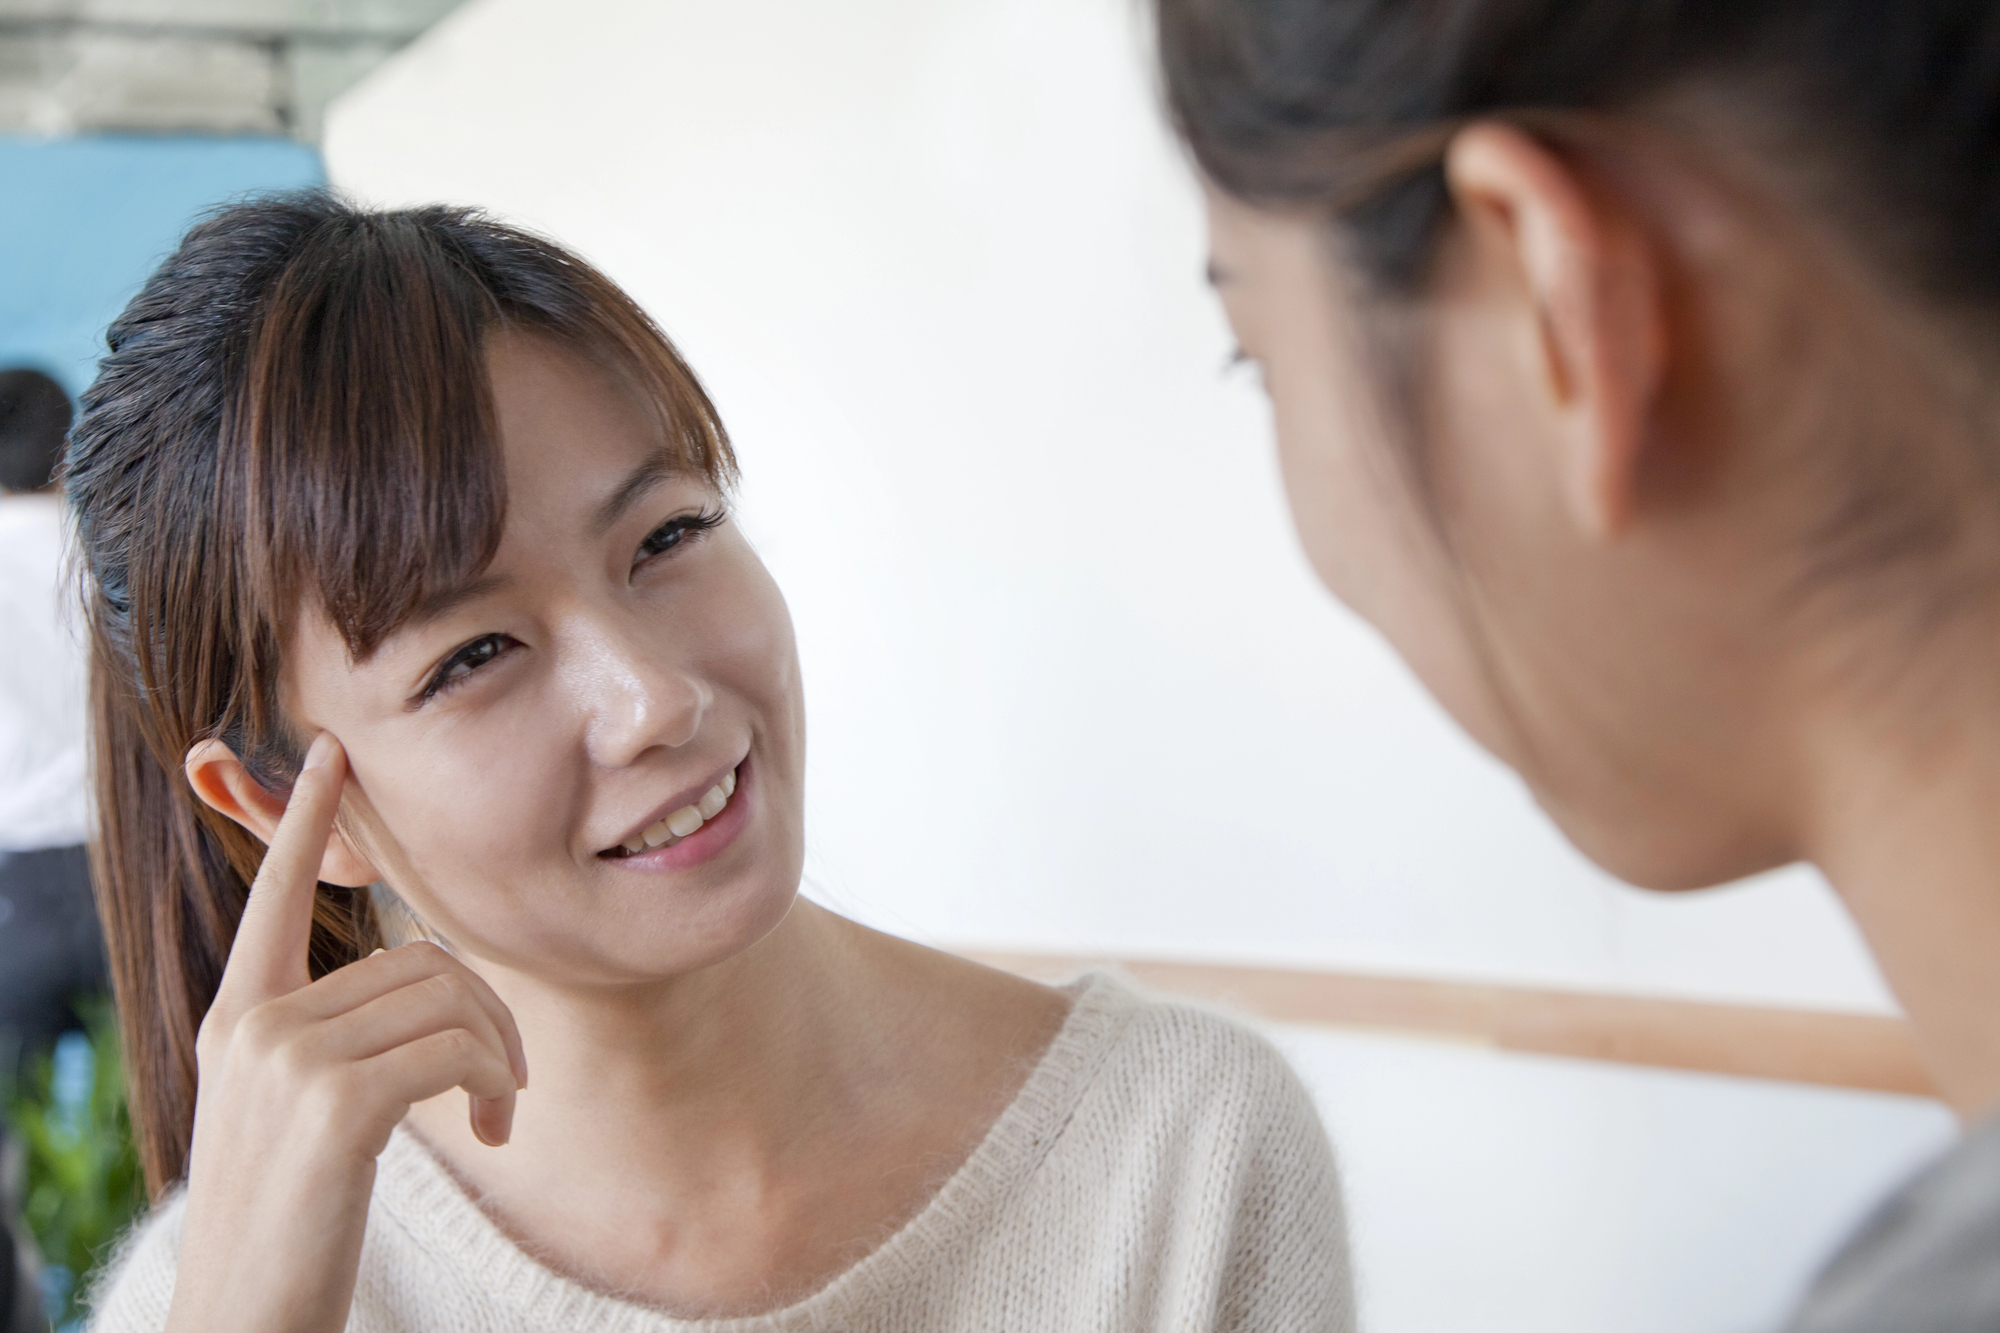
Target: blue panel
x: 83, y: 221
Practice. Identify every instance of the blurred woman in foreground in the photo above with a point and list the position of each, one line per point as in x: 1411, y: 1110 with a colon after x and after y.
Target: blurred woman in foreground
x: 1636, y: 371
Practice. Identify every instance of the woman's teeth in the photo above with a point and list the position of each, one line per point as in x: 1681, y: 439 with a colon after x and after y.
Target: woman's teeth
x: 687, y: 819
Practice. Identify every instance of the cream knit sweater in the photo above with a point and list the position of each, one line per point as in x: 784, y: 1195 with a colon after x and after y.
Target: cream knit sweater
x: 1161, y: 1169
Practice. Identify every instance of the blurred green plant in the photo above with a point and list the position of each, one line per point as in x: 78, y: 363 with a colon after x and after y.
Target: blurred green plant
x: 84, y: 1185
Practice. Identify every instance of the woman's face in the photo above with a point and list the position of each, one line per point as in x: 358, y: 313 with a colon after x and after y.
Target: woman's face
x: 625, y: 657
x: 1346, y: 457
x: 1351, y: 496
x: 1620, y: 676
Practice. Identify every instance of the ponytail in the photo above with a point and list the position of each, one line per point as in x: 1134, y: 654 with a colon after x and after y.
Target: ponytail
x: 172, y: 877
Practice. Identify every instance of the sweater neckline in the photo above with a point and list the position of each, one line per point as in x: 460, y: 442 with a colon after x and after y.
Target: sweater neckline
x: 419, y: 1194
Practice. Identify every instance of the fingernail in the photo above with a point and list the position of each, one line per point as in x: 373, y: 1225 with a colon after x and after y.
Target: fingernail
x: 492, y: 1135
x: 321, y: 751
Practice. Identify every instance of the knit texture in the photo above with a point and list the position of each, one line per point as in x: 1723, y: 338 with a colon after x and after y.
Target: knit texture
x: 1161, y: 1169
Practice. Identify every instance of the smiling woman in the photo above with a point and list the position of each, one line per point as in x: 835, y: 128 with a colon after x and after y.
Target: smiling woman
x: 412, y: 579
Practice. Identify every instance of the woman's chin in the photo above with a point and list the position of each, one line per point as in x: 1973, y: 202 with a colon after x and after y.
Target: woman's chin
x: 1655, y: 851
x: 624, y: 947
x: 643, y: 930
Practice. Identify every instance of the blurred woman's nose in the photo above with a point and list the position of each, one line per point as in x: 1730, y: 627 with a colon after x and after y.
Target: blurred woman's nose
x: 633, y: 697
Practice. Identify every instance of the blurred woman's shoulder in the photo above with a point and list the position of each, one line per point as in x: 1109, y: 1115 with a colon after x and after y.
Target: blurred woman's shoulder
x: 1923, y: 1260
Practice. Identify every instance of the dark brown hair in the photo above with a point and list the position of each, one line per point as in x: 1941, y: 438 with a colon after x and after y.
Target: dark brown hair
x: 34, y: 416
x: 294, y: 417
x: 1345, y: 106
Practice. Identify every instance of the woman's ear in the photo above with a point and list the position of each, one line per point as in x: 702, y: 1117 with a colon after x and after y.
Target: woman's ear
x: 1588, y: 284
x: 225, y: 785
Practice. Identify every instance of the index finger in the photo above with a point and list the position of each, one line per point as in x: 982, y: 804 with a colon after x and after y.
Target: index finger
x: 268, y: 958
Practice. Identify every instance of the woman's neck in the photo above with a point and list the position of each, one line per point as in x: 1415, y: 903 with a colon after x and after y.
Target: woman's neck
x: 654, y: 1069
x: 725, y: 1140
x: 1906, y: 825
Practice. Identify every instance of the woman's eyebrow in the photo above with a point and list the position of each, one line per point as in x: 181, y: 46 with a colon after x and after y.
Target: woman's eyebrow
x: 446, y: 600
x: 659, y: 465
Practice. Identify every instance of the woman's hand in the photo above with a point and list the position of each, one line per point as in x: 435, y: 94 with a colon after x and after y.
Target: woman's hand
x: 302, y: 1082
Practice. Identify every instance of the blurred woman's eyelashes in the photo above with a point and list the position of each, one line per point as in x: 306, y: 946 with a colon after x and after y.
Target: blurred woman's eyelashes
x: 1239, y: 361
x: 468, y: 657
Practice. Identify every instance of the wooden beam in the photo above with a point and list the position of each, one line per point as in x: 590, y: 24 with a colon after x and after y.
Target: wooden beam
x: 1822, y: 1047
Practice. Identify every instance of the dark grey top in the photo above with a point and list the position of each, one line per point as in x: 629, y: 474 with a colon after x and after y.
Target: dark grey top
x: 1927, y: 1260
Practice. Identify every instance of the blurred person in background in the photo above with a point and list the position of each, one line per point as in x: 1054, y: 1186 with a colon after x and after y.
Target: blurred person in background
x: 21, y: 1305
x: 1636, y: 371
x: 51, y: 950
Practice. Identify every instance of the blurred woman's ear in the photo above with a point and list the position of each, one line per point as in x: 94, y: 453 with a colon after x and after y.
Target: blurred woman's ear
x: 1579, y: 278
x: 222, y: 782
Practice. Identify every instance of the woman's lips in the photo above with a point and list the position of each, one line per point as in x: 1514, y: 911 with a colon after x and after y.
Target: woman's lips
x: 706, y: 834
x: 685, y: 821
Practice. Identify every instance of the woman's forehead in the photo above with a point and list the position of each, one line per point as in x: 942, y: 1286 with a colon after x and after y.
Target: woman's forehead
x: 577, y: 442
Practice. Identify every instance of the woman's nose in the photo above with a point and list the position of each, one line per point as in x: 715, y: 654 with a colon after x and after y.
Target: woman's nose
x: 634, y: 702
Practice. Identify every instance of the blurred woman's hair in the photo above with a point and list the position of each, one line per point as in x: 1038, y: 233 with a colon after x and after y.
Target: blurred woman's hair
x: 1872, y: 123
x: 295, y: 420
x: 1345, y: 106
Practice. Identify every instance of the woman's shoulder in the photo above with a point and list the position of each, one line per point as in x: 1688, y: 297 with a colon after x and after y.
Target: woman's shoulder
x: 1185, y: 1133
x: 1168, y: 1060
x: 1176, y: 1042
x: 134, y: 1289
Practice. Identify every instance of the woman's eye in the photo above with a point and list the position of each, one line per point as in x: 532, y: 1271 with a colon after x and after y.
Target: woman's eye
x: 678, y: 530
x: 464, y: 662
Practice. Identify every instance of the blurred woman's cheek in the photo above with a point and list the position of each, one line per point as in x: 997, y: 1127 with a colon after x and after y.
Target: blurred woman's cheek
x: 1376, y: 550
x: 1350, y: 469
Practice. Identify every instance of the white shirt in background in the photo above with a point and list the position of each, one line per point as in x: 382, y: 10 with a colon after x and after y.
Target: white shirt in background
x: 44, y: 796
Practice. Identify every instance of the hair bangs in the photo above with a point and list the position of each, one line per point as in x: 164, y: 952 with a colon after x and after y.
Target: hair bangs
x: 373, y: 476
x: 582, y: 310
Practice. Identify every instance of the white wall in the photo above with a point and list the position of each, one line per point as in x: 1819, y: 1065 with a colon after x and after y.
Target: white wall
x: 1071, y: 685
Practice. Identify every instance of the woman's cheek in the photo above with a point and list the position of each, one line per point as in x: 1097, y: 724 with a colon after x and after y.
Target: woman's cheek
x: 1376, y: 548
x: 751, y: 646
x: 465, y: 811
x: 1340, y: 505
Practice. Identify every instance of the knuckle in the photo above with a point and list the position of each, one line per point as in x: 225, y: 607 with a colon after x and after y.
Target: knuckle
x: 258, y: 1028
x: 210, y: 1053
x: 427, y: 952
x: 292, y: 1062
x: 450, y: 988
x: 213, y: 1031
x: 456, y: 1043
